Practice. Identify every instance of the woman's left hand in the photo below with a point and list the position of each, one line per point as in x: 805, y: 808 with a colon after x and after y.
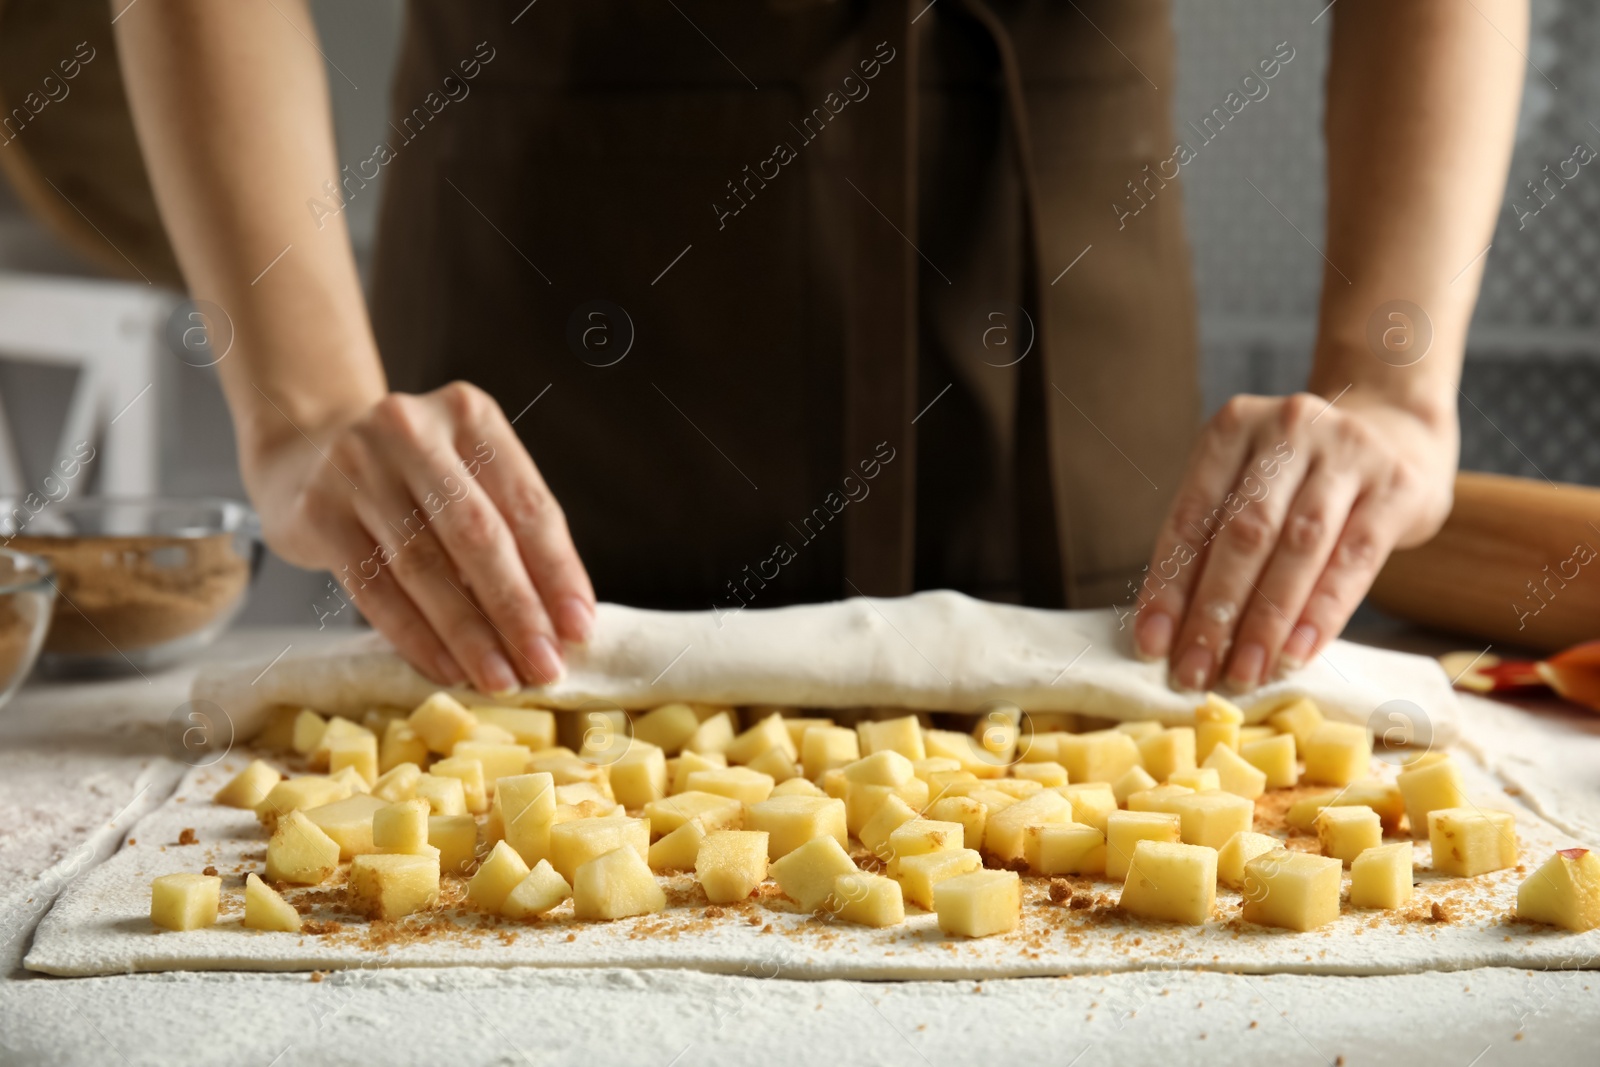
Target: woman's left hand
x: 1289, y: 507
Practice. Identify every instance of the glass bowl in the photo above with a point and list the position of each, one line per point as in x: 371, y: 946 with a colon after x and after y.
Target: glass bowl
x: 26, y: 594
x: 142, y: 582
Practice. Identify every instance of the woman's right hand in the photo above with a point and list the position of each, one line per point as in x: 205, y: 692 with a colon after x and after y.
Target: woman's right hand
x: 439, y: 528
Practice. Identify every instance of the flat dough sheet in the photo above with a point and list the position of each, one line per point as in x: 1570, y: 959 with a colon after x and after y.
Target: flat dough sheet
x: 100, y: 924
x: 934, y: 651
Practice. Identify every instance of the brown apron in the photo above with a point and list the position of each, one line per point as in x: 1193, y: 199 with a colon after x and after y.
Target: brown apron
x: 839, y: 235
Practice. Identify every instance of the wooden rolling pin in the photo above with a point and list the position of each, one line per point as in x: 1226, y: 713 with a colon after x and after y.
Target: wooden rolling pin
x: 1517, y: 563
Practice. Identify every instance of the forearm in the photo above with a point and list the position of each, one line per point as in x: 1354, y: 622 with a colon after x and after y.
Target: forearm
x: 1421, y: 113
x: 231, y: 105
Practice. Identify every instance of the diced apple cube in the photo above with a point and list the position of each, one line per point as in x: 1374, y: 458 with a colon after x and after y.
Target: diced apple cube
x: 1564, y: 891
x: 1137, y: 780
x: 887, y: 768
x: 777, y: 763
x: 1125, y: 829
x: 1338, y: 753
x: 446, y: 795
x: 667, y: 727
x: 1469, y: 841
x: 565, y: 768
x: 678, y: 850
x: 249, y: 787
x: 308, y: 730
x: 401, y: 827
x: 278, y: 733
x: 763, y: 737
x: 730, y: 864
x: 971, y: 814
x: 891, y: 814
x: 1381, y: 876
x: 474, y: 789
x: 336, y: 731
x: 542, y: 890
x: 1167, y: 753
x: 824, y: 748
x: 979, y: 904
x: 917, y: 837
x: 441, y: 721
x: 1211, y: 818
x: 1139, y: 729
x: 1216, y: 722
x: 712, y: 735
x: 639, y: 775
x: 739, y: 783
x: 348, y: 822
x: 1274, y: 757
x: 392, y: 886
x: 616, y: 885
x: 298, y: 794
x: 1003, y: 836
x: 902, y: 735
x: 1171, y: 882
x: 500, y: 872
x: 1099, y: 756
x: 1346, y: 831
x: 358, y: 752
x: 964, y: 749
x: 264, y: 909
x: 919, y: 874
x: 1199, y: 779
x: 807, y: 873
x: 679, y: 769
x: 1158, y: 799
x: 397, y: 783
x: 797, y: 727
x: 572, y: 844
x: 498, y: 761
x: 400, y: 745
x: 184, y: 901
x: 867, y: 899
x: 1300, y: 718
x: 1239, y: 850
x: 456, y: 838
x: 1217, y: 708
x: 797, y: 787
x: 792, y: 822
x: 1249, y: 735
x: 1064, y: 848
x: 1293, y: 890
x: 1237, y: 775
x: 1092, y: 803
x: 527, y: 726
x: 487, y: 733
x: 351, y: 780
x: 1040, y: 746
x: 1048, y: 773
x: 714, y: 812
x: 1430, y: 787
x: 299, y: 852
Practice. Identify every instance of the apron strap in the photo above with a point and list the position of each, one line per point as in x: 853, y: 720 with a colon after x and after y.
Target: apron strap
x: 1044, y: 555
x: 881, y: 333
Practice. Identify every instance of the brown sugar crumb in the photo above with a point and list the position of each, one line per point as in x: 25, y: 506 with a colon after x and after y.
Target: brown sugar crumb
x: 186, y: 836
x: 1254, y: 1024
x: 1060, y: 890
x: 317, y: 976
x: 767, y: 929
x: 133, y: 840
x: 714, y: 912
x: 572, y: 937
x: 1082, y: 902
x: 754, y: 920
x: 1441, y: 913
x: 321, y: 927
x: 1338, y: 1061
x: 212, y: 871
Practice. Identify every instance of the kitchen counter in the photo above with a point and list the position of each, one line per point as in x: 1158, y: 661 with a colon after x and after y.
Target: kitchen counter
x: 80, y: 762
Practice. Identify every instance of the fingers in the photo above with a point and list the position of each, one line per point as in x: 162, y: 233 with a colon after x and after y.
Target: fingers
x: 1195, y: 518
x: 539, y: 527
x: 1257, y: 507
x: 1306, y: 541
x: 377, y: 596
x: 1372, y: 530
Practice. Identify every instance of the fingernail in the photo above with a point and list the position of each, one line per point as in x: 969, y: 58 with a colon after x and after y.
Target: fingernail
x: 575, y: 619
x: 1244, y: 671
x: 1193, y: 668
x: 498, y: 677
x: 1298, y: 648
x: 547, y: 663
x: 1154, y: 634
x: 449, y: 671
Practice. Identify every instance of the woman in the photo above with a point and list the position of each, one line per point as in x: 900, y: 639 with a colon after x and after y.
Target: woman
x: 809, y: 299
